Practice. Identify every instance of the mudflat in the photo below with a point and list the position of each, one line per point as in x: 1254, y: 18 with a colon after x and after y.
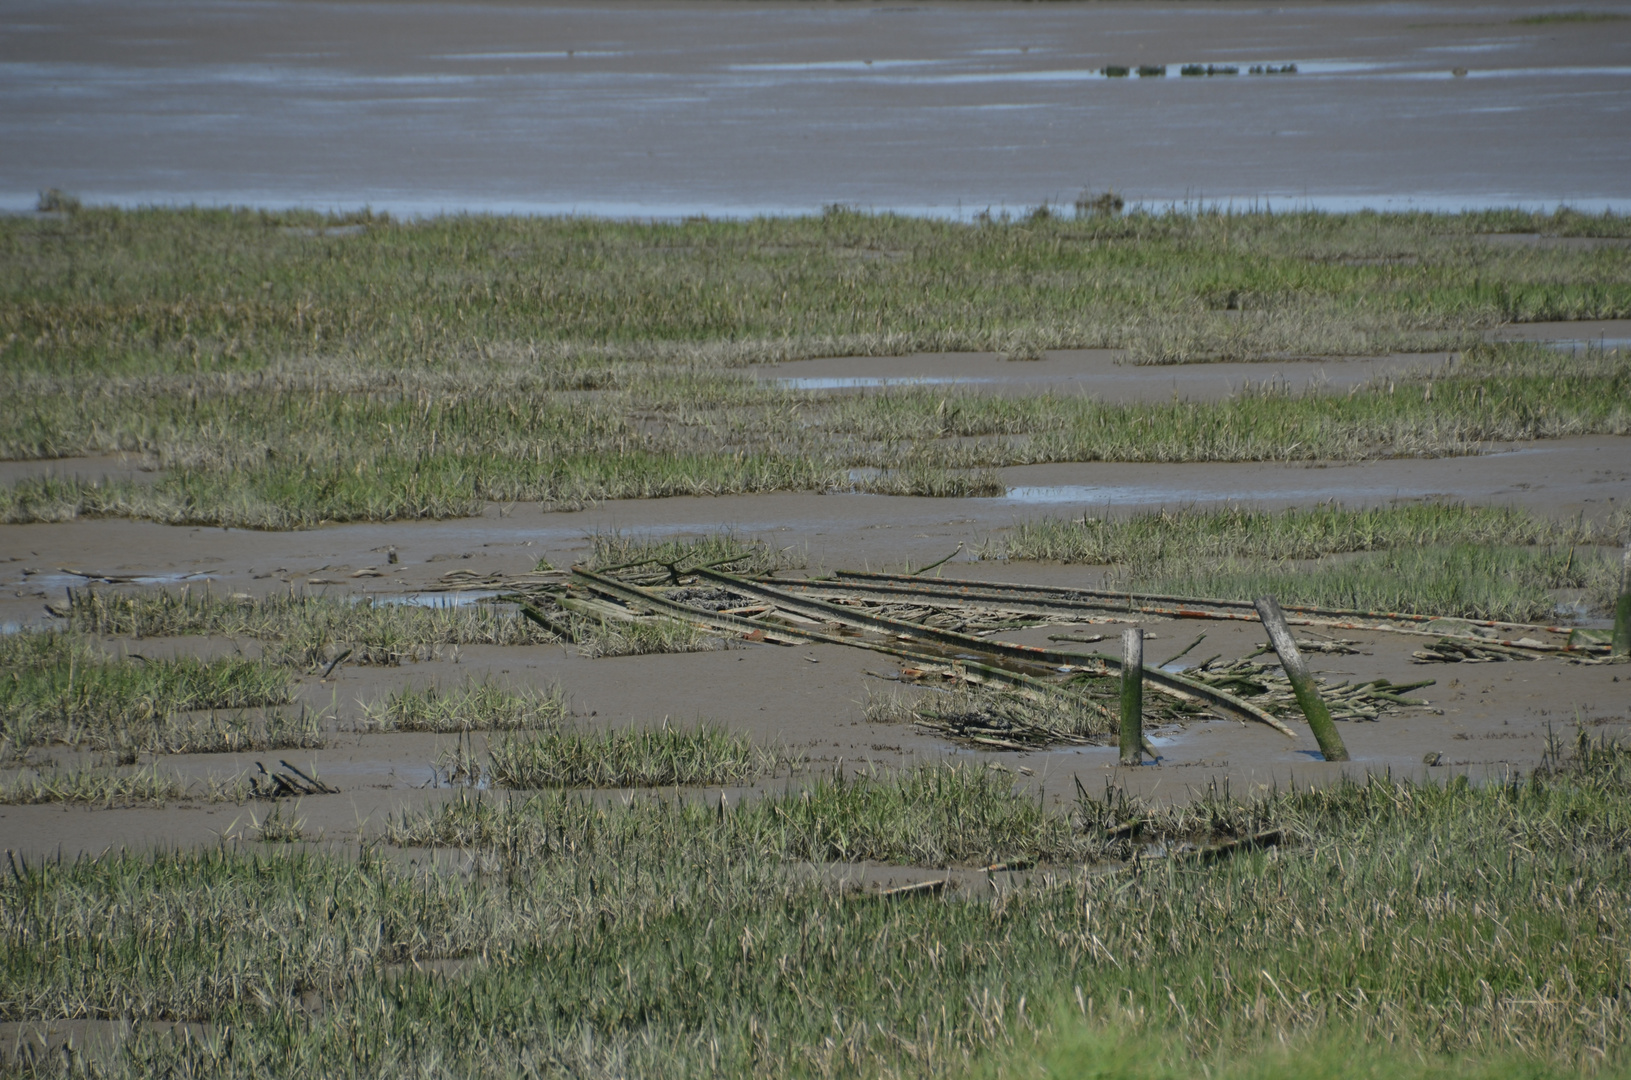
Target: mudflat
x: 810, y: 699
x: 666, y: 109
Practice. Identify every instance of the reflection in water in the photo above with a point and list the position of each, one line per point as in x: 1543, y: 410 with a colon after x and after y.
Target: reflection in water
x: 437, y: 599
x: 1102, y: 494
x: 865, y: 382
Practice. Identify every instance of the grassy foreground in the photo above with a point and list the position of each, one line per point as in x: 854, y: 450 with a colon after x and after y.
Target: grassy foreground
x: 1437, y: 930
x: 282, y: 379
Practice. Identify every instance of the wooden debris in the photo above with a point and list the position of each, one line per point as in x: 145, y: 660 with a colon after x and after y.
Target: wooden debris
x: 919, y: 888
x: 1302, y: 683
x: 1462, y: 651
x: 290, y: 783
x: 1132, y: 696
x: 1267, y: 686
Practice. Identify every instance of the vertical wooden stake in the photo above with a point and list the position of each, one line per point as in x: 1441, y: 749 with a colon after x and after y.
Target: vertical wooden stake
x: 1621, y: 645
x: 1302, y: 683
x: 1132, y: 696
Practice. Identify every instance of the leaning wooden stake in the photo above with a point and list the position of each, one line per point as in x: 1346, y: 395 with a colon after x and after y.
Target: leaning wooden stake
x: 1302, y: 683
x: 1621, y: 645
x: 1132, y: 696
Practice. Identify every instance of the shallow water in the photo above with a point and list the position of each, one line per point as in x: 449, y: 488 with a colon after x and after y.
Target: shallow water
x: 662, y: 109
x: 875, y: 382
x: 436, y: 599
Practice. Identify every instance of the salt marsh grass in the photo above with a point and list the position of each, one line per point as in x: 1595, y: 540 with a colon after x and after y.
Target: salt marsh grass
x: 308, y: 631
x: 1433, y: 558
x: 642, y: 637
x: 288, y: 457
x: 1450, y: 929
x: 723, y: 551
x: 108, y: 787
x: 930, y: 815
x: 1518, y: 584
x: 477, y: 706
x: 281, y: 383
x: 97, y: 786
x: 64, y: 689
x: 1297, y: 533
x: 648, y: 757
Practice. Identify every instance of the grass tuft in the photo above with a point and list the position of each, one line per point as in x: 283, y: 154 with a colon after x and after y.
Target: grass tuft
x: 657, y: 757
x: 62, y: 689
x: 478, y: 706
x: 303, y: 630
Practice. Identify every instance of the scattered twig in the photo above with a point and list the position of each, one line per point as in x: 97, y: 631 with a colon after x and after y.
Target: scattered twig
x: 916, y: 888
x: 334, y: 664
x: 935, y: 565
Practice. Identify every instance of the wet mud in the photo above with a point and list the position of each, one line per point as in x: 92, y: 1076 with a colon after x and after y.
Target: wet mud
x: 1482, y: 720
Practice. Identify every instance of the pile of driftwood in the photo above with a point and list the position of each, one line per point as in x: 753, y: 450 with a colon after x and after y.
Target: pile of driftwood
x: 945, y: 631
x: 1268, y: 686
x: 1462, y: 651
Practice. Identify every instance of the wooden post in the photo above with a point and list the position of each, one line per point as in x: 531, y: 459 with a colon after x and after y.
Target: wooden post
x: 1621, y: 645
x: 1302, y: 683
x: 1132, y: 696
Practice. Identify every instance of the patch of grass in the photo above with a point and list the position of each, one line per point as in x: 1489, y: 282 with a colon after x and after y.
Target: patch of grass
x: 305, y: 630
x: 62, y: 689
x: 1435, y: 558
x: 282, y: 381
x: 1296, y: 533
x: 930, y: 815
x: 1116, y: 1046
x: 1468, y: 581
x: 651, y: 757
x: 1399, y: 922
x: 597, y: 638
x: 935, y: 483
x: 99, y: 786
x: 296, y: 454
x: 724, y: 551
x: 280, y: 826
x: 478, y: 706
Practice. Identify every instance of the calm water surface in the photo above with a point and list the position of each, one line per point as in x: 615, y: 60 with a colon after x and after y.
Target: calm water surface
x: 667, y: 109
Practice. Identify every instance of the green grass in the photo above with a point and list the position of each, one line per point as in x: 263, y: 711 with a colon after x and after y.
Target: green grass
x: 930, y: 815
x: 723, y: 551
x: 1468, y: 581
x: 1400, y: 929
x: 305, y: 630
x: 651, y: 757
x: 296, y: 456
x: 1107, y: 1050
x: 135, y: 292
x: 106, y: 787
x: 1297, y: 533
x: 596, y: 638
x: 63, y: 689
x: 477, y: 706
x: 422, y: 370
